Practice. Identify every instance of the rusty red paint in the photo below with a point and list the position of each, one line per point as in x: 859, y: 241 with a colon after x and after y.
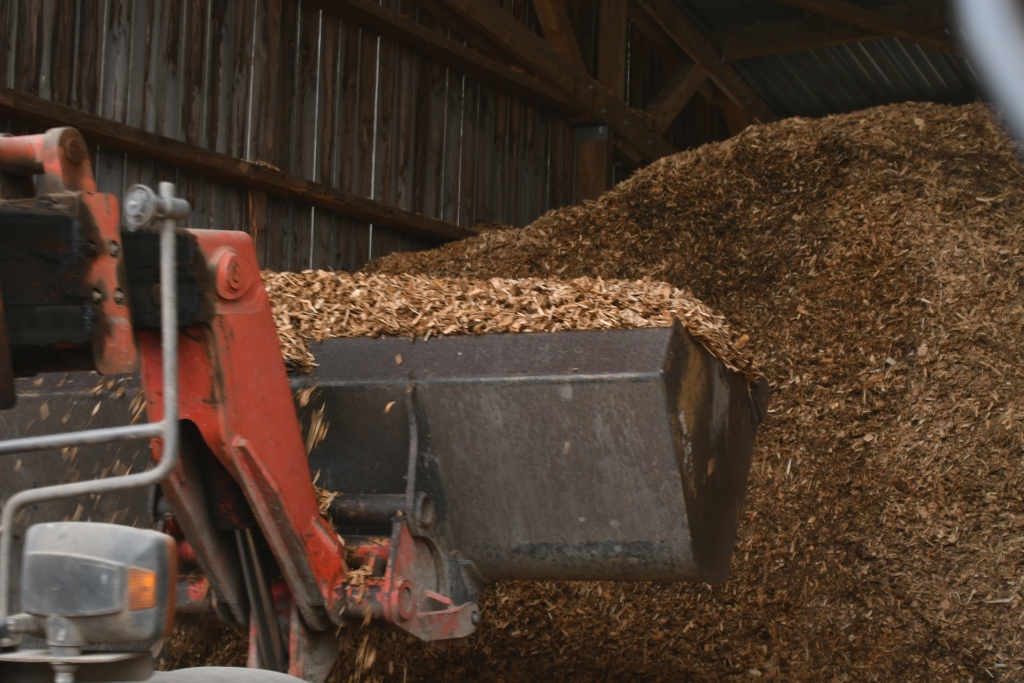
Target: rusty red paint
x: 234, y: 387
x: 373, y: 556
x: 193, y: 595
x: 62, y: 157
x: 404, y: 596
x: 186, y: 554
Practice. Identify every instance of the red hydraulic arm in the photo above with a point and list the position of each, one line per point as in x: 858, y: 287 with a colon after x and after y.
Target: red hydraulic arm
x: 234, y: 387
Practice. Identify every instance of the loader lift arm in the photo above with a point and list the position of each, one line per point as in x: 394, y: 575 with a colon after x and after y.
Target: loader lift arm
x: 604, y: 455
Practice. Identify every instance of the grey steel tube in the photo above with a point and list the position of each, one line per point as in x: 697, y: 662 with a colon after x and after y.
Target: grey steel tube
x: 169, y: 209
x: 995, y: 33
x: 85, y: 438
x: 372, y: 509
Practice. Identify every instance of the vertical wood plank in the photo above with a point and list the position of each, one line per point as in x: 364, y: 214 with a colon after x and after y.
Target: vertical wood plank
x: 485, y: 158
x: 261, y: 115
x: 500, y: 144
x: 305, y: 127
x: 353, y: 236
x: 557, y: 172
x: 194, y: 74
x: 431, y: 102
x: 62, y: 50
x: 348, y: 93
x: 90, y: 37
x: 9, y: 43
x: 278, y: 216
x: 468, y: 165
x: 526, y: 192
x: 28, y: 59
x: 162, y: 95
x: 515, y: 159
x: 406, y: 114
x: 452, y: 166
x: 140, y: 35
x: 325, y: 223
x: 364, y: 179
x: 611, y: 45
x: 257, y: 223
x: 386, y: 122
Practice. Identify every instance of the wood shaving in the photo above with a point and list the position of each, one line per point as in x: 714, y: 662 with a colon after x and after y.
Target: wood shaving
x: 317, y: 431
x: 322, y: 305
x: 875, y: 259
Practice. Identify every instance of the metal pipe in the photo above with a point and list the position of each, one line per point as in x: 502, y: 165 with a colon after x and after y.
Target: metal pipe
x: 261, y: 606
x: 995, y: 39
x: 169, y: 209
x: 84, y: 438
x: 372, y: 509
x: 21, y: 153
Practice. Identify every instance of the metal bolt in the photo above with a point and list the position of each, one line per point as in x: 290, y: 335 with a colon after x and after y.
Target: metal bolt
x: 426, y: 513
x: 97, y: 296
x: 406, y: 600
x: 118, y: 297
x: 233, y: 278
x: 113, y: 248
x: 236, y: 274
x: 74, y: 150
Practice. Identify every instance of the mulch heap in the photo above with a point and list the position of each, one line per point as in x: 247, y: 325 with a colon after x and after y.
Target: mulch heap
x: 321, y: 305
x: 874, y: 260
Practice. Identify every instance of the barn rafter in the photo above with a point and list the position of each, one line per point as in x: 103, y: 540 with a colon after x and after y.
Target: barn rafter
x: 425, y: 117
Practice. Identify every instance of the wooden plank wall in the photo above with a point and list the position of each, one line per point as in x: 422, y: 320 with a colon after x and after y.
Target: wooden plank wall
x: 290, y: 85
x: 287, y: 84
x: 649, y: 66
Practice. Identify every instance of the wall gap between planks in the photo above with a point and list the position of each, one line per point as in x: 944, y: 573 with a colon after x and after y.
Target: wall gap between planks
x: 210, y: 73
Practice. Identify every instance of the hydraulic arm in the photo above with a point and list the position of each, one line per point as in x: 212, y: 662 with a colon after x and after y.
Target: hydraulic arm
x: 619, y: 455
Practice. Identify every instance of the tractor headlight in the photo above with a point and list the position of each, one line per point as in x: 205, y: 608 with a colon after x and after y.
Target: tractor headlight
x: 99, y: 583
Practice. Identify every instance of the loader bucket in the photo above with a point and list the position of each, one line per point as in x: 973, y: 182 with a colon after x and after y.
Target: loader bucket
x: 604, y: 455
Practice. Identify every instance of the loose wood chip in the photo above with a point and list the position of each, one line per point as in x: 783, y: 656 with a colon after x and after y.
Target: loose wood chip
x: 875, y: 259
x: 322, y: 305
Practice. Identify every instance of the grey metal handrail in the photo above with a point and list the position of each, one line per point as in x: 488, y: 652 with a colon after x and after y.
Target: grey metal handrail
x: 141, y: 205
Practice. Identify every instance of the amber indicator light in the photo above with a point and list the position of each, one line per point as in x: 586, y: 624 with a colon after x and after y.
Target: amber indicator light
x: 141, y: 589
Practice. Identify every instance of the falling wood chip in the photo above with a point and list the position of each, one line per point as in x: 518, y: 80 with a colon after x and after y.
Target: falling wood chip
x: 869, y: 222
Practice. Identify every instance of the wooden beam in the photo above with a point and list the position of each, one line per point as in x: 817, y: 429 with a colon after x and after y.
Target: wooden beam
x: 786, y: 37
x: 613, y: 28
x: 677, y: 27
x: 612, y: 43
x: 878, y: 22
x: 557, y: 28
x: 132, y: 140
x: 808, y: 34
x: 652, y: 32
x: 463, y: 30
x: 593, y: 162
x: 675, y: 94
x: 592, y: 97
x: 454, y: 54
x: 735, y: 118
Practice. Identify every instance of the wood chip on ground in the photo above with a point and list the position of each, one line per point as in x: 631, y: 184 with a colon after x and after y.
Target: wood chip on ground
x: 875, y: 258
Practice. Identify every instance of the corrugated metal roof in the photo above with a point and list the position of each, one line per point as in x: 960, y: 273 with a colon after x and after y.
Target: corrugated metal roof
x: 841, y: 78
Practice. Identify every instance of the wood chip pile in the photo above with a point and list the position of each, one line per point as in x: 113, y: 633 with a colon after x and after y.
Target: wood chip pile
x: 875, y: 258
x: 321, y: 305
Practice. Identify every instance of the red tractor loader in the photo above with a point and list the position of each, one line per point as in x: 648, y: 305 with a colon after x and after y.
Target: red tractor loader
x: 608, y: 455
